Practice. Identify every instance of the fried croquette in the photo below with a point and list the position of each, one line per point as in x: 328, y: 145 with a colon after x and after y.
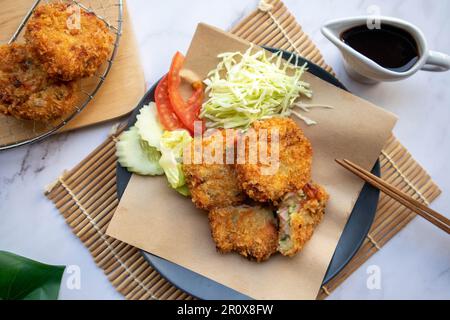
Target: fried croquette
x: 299, y: 214
x: 250, y: 231
x: 26, y: 91
x: 211, y: 184
x: 294, y: 161
x: 69, y: 45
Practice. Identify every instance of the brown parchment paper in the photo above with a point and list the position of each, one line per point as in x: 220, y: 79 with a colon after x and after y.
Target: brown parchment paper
x: 155, y: 218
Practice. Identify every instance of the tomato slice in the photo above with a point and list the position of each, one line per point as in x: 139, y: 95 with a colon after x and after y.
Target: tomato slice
x: 195, y: 103
x: 196, y: 100
x: 167, y: 117
x: 187, y: 112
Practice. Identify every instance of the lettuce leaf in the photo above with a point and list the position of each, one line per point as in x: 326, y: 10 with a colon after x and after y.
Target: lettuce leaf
x: 172, y: 145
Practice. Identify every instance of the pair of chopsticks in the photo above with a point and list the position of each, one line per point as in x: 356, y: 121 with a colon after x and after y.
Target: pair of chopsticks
x: 432, y: 216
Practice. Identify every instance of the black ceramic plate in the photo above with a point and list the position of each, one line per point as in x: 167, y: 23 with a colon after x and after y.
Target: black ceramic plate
x: 354, y: 233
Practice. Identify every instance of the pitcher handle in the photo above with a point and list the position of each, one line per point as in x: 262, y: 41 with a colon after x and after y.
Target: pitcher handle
x: 437, y: 62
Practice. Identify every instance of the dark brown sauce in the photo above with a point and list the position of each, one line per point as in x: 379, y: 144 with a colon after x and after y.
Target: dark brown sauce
x: 391, y: 47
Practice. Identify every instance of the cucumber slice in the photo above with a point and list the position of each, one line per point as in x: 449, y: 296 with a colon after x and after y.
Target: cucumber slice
x: 136, y: 155
x: 148, y: 125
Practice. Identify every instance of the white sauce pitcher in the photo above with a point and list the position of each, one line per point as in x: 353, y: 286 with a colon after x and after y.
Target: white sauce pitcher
x: 365, y: 70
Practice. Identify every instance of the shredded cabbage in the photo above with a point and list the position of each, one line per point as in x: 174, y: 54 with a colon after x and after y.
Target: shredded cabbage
x: 172, y: 146
x: 249, y: 87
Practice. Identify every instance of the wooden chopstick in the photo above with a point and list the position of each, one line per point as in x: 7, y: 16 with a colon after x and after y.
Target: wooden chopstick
x: 429, y: 214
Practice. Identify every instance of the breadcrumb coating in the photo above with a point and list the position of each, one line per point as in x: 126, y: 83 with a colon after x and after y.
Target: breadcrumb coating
x: 26, y: 91
x: 250, y: 231
x: 67, y: 50
x: 212, y: 185
x: 299, y: 214
x: 295, y: 161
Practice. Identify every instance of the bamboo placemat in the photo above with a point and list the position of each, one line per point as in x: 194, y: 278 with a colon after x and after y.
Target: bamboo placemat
x: 86, y: 195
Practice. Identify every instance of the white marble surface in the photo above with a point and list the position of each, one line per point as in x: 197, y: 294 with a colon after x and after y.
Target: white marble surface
x: 416, y: 264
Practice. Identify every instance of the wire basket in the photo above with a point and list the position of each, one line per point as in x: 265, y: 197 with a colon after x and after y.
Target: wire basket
x: 15, y: 132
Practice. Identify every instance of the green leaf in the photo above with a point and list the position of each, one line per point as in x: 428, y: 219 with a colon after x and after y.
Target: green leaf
x: 25, y: 279
x: 183, y: 190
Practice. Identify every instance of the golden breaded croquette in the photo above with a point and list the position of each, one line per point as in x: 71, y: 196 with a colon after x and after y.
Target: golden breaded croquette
x: 250, y: 231
x: 211, y: 184
x: 26, y: 91
x: 66, y: 49
x: 295, y: 160
x: 299, y: 214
